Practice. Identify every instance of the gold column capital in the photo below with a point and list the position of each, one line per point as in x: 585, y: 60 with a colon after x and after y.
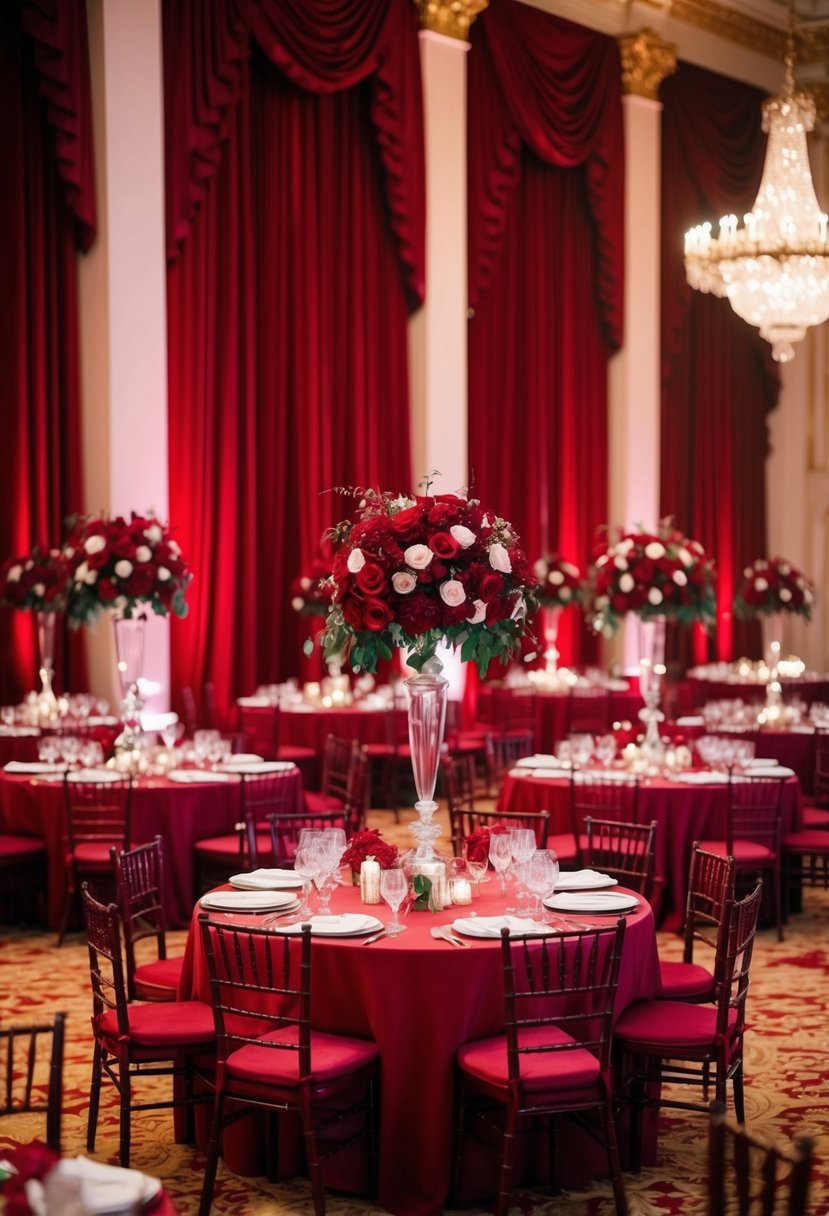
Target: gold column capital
x: 646, y: 61
x: 819, y: 91
x: 450, y: 17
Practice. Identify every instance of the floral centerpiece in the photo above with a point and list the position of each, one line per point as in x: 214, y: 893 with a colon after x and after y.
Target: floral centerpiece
x: 37, y: 582
x: 311, y: 591
x: 772, y: 586
x: 476, y: 844
x: 559, y: 582
x: 651, y: 574
x: 369, y: 843
x: 124, y: 564
x: 414, y: 572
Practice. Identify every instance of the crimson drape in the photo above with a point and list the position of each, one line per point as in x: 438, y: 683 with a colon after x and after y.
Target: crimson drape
x: 546, y: 264
x: 46, y: 207
x: 287, y: 306
x: 718, y: 379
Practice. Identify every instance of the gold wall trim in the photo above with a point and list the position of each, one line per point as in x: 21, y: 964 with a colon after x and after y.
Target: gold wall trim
x: 646, y: 61
x: 736, y: 27
x: 450, y: 17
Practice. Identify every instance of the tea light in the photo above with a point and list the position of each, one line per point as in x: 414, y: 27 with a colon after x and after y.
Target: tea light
x: 370, y: 881
x: 460, y: 890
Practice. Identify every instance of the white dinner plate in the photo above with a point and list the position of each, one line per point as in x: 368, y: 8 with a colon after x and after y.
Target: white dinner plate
x: 597, y: 776
x: 584, y: 880
x: 491, y: 926
x: 771, y: 770
x: 259, y: 767
x: 576, y: 901
x: 96, y: 775
x: 538, y: 761
x: 32, y: 766
x: 701, y: 777
x: 199, y: 776
x: 348, y: 924
x: 243, y: 758
x: 248, y: 901
x: 265, y: 880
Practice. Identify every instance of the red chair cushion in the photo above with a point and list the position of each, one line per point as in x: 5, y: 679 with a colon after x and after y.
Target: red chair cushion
x: 227, y: 847
x: 746, y: 852
x: 15, y: 848
x: 685, y: 981
x: 153, y: 981
x: 813, y: 840
x: 556, y: 1073
x: 332, y: 1056
x: 167, y: 1029
x: 667, y: 1028
x: 815, y: 817
x: 95, y: 854
x: 316, y: 802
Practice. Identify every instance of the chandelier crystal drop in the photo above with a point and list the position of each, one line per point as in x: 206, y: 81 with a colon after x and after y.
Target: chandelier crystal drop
x: 775, y: 269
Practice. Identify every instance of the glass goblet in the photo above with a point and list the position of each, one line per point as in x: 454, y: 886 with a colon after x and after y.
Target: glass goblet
x: 394, y: 888
x: 306, y: 865
x: 541, y: 876
x: 500, y: 854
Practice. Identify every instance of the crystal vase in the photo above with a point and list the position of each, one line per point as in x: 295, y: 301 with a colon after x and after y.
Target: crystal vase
x: 651, y: 632
x: 427, y: 716
x: 129, y: 649
x: 47, y: 701
x: 550, y: 617
x: 774, y: 690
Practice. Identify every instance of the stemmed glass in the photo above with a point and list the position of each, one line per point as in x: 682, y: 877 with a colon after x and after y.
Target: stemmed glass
x: 522, y: 846
x: 330, y: 846
x: 393, y: 888
x: 500, y: 854
x: 541, y: 876
x: 306, y: 865
x: 171, y: 734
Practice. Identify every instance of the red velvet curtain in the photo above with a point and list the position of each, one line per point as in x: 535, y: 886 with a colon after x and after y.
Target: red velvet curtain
x: 546, y: 265
x: 46, y: 210
x: 718, y: 378
x: 288, y: 304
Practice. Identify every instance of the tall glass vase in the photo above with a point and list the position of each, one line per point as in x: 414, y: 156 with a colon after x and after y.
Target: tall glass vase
x: 651, y: 633
x: 427, y: 717
x: 774, y: 689
x: 129, y: 649
x: 550, y: 618
x: 47, y: 701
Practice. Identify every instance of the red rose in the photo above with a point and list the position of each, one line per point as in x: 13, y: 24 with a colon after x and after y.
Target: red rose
x: 492, y: 584
x: 353, y: 611
x: 378, y: 615
x: 419, y: 612
x: 407, y: 521
x: 107, y: 591
x: 371, y: 579
x: 444, y: 545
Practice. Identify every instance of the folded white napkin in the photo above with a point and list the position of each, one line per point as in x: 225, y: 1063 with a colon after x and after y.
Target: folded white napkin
x: 691, y: 720
x: 702, y: 777
x: 80, y: 1187
x: 491, y: 926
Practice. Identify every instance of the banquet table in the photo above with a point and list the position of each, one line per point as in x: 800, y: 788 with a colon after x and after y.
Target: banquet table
x: 180, y: 813
x: 309, y: 726
x: 702, y: 688
x: 551, y: 710
x: 791, y: 746
x: 419, y: 999
x: 684, y: 812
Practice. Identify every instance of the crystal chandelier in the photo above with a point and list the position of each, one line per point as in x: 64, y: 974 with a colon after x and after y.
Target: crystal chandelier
x: 775, y: 269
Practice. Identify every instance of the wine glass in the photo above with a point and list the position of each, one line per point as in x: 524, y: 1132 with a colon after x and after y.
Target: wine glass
x: 330, y: 846
x: 606, y: 750
x: 306, y: 865
x: 171, y: 734
x: 541, y: 876
x: 394, y: 888
x: 522, y: 846
x: 500, y: 854
x: 8, y: 714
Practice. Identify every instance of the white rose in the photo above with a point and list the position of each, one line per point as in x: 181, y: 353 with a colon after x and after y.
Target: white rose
x: 355, y: 561
x: 626, y: 584
x: 556, y: 578
x: 748, y: 572
x: 452, y: 592
x: 90, y: 577
x: 784, y: 568
x: 14, y: 574
x: 163, y: 574
x: 297, y: 603
x: 403, y: 582
x: 499, y: 558
x: 540, y: 569
x: 464, y: 536
x: 94, y: 544
x: 655, y: 550
x: 28, y: 564
x: 565, y: 593
x: 418, y: 556
x: 479, y: 613
x: 761, y: 584
x: 305, y: 584
x: 621, y: 563
x: 624, y: 547
x: 807, y: 596
x: 685, y: 557
x: 39, y: 589
x: 81, y: 573
x: 654, y: 596
x: 680, y: 578
x: 175, y: 547
x: 123, y: 568
x: 785, y: 594
x: 153, y: 534
x: 570, y: 569
x: 143, y: 554
x: 602, y: 560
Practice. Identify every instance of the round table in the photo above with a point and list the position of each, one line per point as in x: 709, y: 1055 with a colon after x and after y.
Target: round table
x: 419, y: 999
x: 552, y: 709
x: 180, y: 813
x: 683, y: 813
x: 793, y: 747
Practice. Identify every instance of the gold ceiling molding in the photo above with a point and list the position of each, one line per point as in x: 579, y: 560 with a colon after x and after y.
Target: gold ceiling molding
x: 813, y: 45
x: 747, y: 31
x: 450, y: 17
x: 646, y: 60
x: 819, y: 90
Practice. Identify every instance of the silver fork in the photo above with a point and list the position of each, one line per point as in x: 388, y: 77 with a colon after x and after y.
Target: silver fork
x: 444, y: 933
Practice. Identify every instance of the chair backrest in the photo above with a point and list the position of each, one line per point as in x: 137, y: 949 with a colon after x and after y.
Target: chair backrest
x: 337, y: 759
x: 625, y: 851
x: 246, y: 966
x: 139, y: 886
x: 106, y: 964
x: 588, y: 709
x: 512, y: 711
x: 98, y: 812
x: 595, y: 796
x: 464, y: 822
x: 261, y: 796
x: 459, y: 781
x: 502, y: 751
x: 733, y: 962
x: 191, y: 720
x: 285, y: 830
x: 710, y: 890
x: 749, y: 1177
x: 355, y: 790
x: 259, y: 730
x: 820, y: 776
x: 538, y: 969
x: 754, y: 810
x: 31, y: 1081
x: 211, y: 712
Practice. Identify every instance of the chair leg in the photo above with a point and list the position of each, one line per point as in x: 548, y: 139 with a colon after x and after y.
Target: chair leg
x: 460, y: 1135
x: 306, y: 1108
x: 778, y: 910
x: 507, y: 1163
x: 212, y: 1160
x: 125, y: 1086
x: 609, y: 1128
x: 739, y: 1094
x: 94, y: 1099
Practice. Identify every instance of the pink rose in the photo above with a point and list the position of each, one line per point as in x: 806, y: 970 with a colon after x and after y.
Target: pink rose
x: 452, y: 593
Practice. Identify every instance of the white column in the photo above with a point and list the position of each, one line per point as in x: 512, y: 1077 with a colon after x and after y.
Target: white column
x: 437, y: 333
x: 634, y: 371
x: 123, y: 300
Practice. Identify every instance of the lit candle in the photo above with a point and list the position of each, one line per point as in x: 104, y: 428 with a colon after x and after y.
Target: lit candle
x: 461, y: 891
x: 370, y: 881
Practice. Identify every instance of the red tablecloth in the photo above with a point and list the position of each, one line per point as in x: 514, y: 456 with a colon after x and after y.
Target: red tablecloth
x: 180, y: 814
x: 551, y: 713
x: 17, y: 745
x: 420, y: 999
x: 683, y: 814
x: 793, y: 747
x: 703, y: 690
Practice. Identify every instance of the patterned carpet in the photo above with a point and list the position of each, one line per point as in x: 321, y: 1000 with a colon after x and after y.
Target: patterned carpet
x: 787, y: 1084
